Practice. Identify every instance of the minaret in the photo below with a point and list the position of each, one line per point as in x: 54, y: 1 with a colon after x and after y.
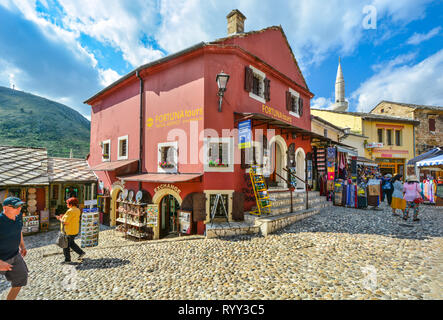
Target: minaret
x: 340, y: 103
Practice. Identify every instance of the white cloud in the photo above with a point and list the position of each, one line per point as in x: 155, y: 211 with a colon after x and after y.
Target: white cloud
x: 399, y: 60
x: 108, y: 76
x: 321, y: 103
x: 418, y: 38
x: 421, y: 83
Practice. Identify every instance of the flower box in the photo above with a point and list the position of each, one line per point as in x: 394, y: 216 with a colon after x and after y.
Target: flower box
x: 217, y: 164
x: 166, y: 165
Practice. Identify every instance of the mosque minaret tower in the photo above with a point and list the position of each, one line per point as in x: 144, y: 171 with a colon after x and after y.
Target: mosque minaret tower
x: 340, y: 103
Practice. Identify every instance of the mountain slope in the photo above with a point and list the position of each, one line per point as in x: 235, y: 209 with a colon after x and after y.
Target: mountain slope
x: 32, y: 121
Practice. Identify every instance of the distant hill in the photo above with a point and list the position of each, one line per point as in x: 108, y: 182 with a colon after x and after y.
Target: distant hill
x: 32, y: 121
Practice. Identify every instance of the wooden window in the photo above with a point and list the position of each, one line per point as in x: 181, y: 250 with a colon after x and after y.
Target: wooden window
x: 167, y: 157
x: 123, y: 148
x: 398, y: 137
x: 389, y: 137
x: 106, y: 150
x: 219, y: 211
x: 294, y: 104
x: 218, y: 154
x: 256, y: 85
x: 249, y: 78
x: 380, y: 135
x: 267, y: 89
x: 431, y: 125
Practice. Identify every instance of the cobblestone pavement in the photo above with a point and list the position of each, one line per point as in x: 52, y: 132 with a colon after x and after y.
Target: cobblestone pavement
x: 338, y: 254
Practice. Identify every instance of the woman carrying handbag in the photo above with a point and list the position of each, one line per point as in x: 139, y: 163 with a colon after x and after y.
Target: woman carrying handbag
x: 70, y: 225
x: 412, y: 196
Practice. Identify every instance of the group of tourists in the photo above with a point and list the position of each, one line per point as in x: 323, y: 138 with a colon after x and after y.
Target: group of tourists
x: 12, y: 246
x: 402, y: 196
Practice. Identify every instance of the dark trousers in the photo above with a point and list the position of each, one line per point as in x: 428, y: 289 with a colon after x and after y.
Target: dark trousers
x: 71, y: 245
x: 388, y: 194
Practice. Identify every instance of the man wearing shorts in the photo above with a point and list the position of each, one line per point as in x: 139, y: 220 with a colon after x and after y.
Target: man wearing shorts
x: 12, y: 247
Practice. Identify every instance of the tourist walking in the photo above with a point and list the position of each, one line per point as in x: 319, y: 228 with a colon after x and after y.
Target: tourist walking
x: 387, y: 188
x: 70, y: 222
x: 397, y: 196
x: 12, y: 246
x: 412, y: 196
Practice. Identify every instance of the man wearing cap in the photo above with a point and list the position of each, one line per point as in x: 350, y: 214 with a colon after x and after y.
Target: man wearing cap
x: 12, y: 247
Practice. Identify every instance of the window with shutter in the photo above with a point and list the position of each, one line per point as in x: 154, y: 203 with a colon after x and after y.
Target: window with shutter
x: 167, y: 157
x: 218, y: 154
x: 238, y: 201
x: 288, y: 101
x: 300, y: 108
x: 259, y: 86
x: 248, y: 79
x: 380, y: 135
x: 219, y: 210
x: 389, y: 137
x: 397, y: 137
x: 122, y: 148
x: 432, y: 125
x: 267, y: 92
x: 199, y: 207
x: 106, y: 150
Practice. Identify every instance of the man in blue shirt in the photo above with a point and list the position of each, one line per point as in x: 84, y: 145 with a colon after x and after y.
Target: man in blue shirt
x: 12, y: 247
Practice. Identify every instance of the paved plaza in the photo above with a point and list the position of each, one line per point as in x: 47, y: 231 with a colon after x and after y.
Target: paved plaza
x: 340, y: 253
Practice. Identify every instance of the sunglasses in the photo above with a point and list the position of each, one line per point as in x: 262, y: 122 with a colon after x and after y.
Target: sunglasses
x: 15, y: 207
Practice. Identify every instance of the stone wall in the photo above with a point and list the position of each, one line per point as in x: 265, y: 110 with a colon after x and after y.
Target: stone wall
x: 424, y: 139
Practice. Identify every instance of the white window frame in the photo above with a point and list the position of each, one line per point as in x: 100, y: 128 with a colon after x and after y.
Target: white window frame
x: 174, y: 146
x: 258, y: 153
x: 125, y: 157
x: 230, y: 167
x: 102, y: 148
x: 262, y: 76
x: 297, y: 95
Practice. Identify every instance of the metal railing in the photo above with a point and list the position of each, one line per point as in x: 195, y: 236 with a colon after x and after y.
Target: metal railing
x: 305, y: 183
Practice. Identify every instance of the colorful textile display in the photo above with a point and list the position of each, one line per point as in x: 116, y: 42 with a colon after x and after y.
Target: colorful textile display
x: 429, y: 188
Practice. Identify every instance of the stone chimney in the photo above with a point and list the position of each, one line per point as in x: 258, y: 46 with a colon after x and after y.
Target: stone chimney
x: 236, y: 22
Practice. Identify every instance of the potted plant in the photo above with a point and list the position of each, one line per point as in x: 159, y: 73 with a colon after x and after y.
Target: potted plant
x: 165, y: 164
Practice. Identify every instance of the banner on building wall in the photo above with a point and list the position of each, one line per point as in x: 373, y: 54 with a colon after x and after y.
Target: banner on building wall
x: 244, y: 134
x: 330, y: 162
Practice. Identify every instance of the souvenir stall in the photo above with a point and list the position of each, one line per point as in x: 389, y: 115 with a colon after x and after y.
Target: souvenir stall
x: 320, y: 174
x: 431, y: 179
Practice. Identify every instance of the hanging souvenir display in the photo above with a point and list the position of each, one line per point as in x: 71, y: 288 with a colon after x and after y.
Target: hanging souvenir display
x: 89, y: 228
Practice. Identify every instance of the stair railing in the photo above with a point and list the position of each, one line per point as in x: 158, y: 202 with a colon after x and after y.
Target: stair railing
x: 305, y: 183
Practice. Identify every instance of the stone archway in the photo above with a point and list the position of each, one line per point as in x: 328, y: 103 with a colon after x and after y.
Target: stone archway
x: 279, y: 158
x: 115, y: 192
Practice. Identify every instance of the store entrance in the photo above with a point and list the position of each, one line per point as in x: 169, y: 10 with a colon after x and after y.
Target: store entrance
x: 168, y: 216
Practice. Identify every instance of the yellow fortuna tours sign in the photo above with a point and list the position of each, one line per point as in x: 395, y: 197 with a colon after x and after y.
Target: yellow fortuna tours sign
x: 277, y: 114
x: 174, y: 118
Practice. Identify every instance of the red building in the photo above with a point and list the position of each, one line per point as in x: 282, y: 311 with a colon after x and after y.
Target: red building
x: 159, y: 128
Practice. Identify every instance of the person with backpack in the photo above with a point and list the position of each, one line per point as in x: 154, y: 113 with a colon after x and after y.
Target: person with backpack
x: 412, y: 196
x: 387, y: 188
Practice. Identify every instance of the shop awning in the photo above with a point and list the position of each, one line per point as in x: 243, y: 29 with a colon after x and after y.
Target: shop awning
x: 366, y: 162
x: 263, y: 119
x: 349, y: 151
x: 427, y: 155
x: 161, y: 177
x: 435, y: 161
x: 113, y: 165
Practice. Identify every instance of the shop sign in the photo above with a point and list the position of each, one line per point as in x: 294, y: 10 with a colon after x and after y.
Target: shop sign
x: 276, y: 113
x: 167, y: 186
x: 374, y: 145
x: 244, y: 134
x: 174, y: 118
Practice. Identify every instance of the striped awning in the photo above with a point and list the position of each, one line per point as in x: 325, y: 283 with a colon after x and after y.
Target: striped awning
x: 435, y: 161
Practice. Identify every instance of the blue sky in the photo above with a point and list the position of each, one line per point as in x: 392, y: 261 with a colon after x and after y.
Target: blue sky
x: 68, y: 50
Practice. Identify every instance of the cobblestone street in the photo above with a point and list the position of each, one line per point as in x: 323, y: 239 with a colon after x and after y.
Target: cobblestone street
x: 338, y: 254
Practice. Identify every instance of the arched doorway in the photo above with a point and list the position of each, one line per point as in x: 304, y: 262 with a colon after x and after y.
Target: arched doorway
x: 168, y: 207
x: 279, y: 151
x: 301, y: 168
x: 115, y: 193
